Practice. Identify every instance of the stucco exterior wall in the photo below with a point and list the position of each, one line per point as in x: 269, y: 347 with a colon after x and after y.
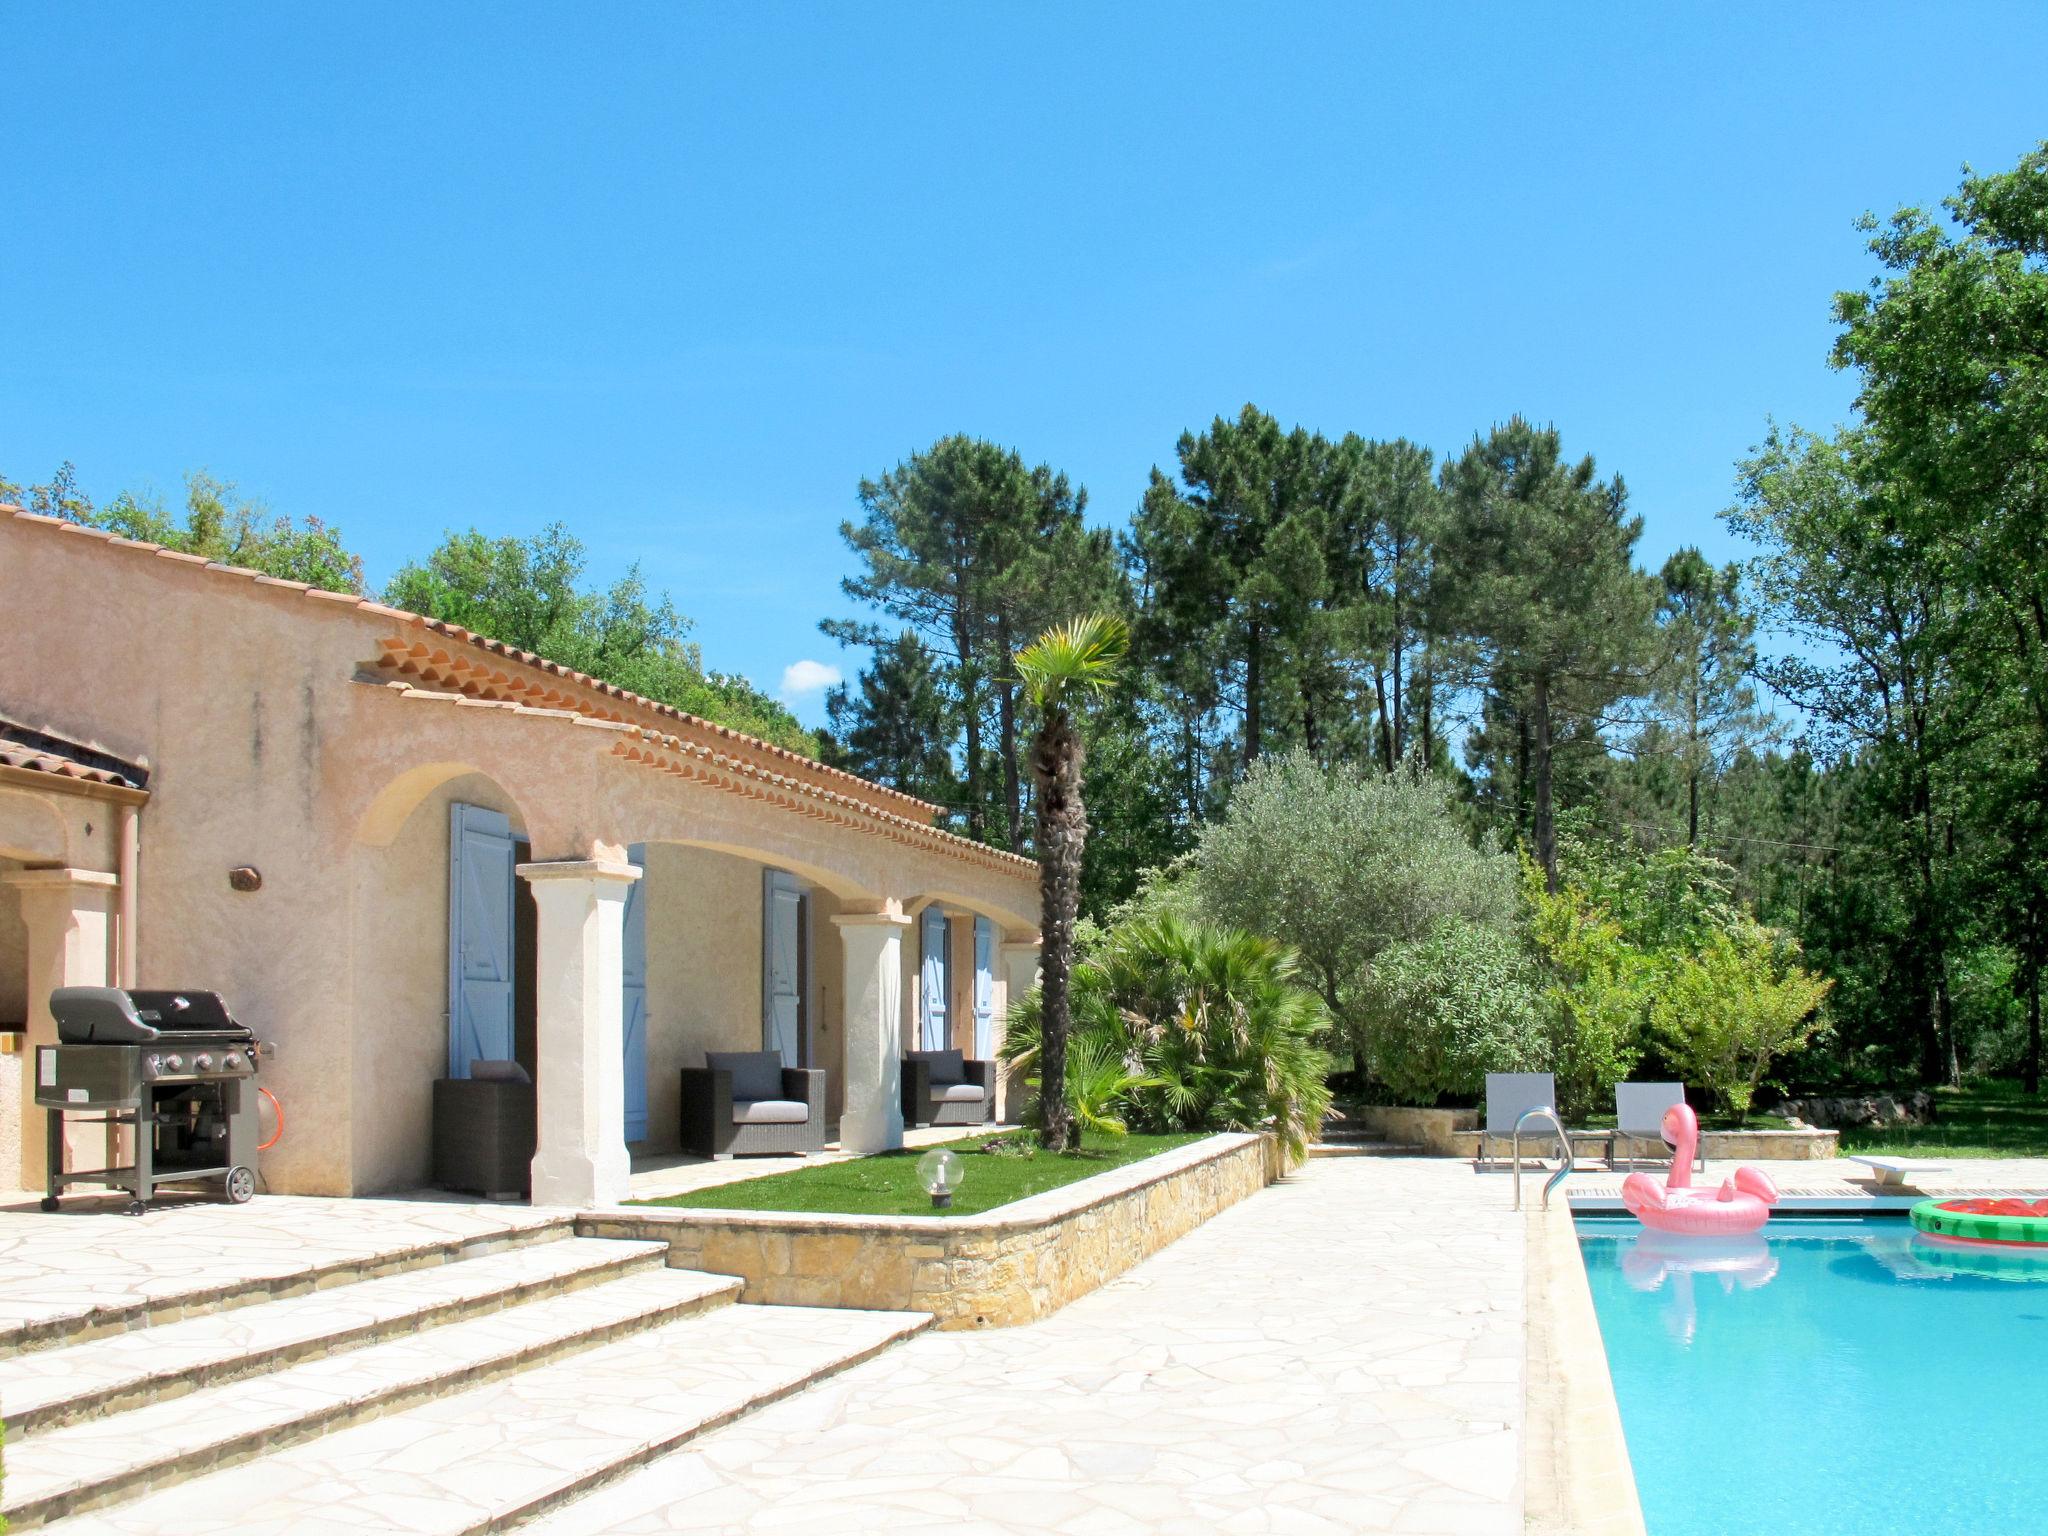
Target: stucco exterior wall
x: 399, y: 922
x: 13, y: 955
x: 703, y: 971
x: 273, y: 740
x: 960, y: 981
x: 224, y: 701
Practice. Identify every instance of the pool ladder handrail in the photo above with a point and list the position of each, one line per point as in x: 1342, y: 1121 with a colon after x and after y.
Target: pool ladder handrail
x: 1566, y: 1163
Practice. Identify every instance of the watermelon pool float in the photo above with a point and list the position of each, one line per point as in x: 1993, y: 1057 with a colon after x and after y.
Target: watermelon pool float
x: 2009, y: 1222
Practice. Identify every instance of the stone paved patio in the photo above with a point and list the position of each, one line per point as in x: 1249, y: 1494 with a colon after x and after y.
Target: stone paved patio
x: 1342, y: 1352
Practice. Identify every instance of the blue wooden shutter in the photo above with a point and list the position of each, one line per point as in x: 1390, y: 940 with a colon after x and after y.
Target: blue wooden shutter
x: 984, y: 989
x: 781, y: 968
x: 633, y: 998
x: 932, y: 984
x: 480, y: 894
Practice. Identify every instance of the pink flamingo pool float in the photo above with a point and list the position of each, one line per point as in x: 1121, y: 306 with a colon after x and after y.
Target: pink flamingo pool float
x: 1742, y: 1203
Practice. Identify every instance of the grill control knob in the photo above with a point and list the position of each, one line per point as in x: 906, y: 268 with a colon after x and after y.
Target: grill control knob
x: 203, y: 1062
x: 154, y: 1063
x: 175, y: 1062
x: 231, y: 1062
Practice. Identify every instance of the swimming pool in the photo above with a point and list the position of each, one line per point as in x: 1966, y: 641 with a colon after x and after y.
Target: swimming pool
x: 1825, y: 1375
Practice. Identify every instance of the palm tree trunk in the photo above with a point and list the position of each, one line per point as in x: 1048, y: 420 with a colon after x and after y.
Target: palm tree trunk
x: 1062, y: 832
x: 1006, y: 715
x: 1545, y: 827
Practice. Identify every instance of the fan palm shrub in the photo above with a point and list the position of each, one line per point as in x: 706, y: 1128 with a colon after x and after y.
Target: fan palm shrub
x: 1057, y: 670
x: 1210, y: 1029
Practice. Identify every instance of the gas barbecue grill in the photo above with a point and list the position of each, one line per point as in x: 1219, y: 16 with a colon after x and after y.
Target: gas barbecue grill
x: 175, y: 1066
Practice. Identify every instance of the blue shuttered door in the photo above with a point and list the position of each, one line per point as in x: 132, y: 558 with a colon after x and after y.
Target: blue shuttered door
x: 984, y: 989
x: 480, y: 892
x: 932, y: 984
x: 633, y: 1010
x: 782, y: 906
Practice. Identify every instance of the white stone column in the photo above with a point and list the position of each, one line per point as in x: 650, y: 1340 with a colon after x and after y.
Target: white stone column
x: 1020, y: 975
x: 872, y: 1119
x: 580, y: 1158
x: 69, y: 917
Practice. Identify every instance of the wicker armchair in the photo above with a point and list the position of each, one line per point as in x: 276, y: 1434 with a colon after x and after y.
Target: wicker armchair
x: 940, y: 1088
x: 743, y: 1102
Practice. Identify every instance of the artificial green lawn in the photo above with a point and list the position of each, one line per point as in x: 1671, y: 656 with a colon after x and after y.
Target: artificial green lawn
x: 1977, y: 1120
x: 886, y: 1184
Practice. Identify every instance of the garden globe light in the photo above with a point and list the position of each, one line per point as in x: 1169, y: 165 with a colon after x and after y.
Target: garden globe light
x: 940, y: 1171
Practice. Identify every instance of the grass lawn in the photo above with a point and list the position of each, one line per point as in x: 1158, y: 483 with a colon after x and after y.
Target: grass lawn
x: 1976, y: 1120
x: 886, y: 1184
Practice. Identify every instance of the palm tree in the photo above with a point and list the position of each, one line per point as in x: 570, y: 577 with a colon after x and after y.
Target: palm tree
x: 1066, y: 662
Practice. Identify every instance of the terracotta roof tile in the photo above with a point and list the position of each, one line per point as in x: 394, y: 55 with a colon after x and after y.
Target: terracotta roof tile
x: 35, y: 751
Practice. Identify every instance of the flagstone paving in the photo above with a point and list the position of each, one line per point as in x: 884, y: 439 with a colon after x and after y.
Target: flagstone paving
x: 89, y: 1266
x: 1340, y: 1353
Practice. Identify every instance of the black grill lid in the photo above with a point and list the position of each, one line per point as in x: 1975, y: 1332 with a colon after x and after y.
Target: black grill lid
x: 112, y: 1016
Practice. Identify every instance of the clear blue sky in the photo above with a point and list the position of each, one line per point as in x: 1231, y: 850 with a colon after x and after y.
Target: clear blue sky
x: 681, y: 275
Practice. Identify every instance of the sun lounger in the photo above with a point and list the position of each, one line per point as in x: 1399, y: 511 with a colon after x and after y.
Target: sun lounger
x: 1509, y: 1096
x: 1639, y: 1117
x: 1897, y: 1172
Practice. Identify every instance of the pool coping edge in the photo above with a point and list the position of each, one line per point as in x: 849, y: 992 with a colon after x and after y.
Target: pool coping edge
x: 1577, y: 1479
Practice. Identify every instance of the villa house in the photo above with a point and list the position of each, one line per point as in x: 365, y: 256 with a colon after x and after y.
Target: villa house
x: 396, y: 847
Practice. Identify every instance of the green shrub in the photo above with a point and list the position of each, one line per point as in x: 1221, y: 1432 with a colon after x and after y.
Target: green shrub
x: 1452, y: 1007
x: 1597, y: 987
x: 1184, y: 1027
x: 1723, y: 1013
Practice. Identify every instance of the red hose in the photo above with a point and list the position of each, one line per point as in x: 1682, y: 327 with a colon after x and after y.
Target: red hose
x: 279, y: 1108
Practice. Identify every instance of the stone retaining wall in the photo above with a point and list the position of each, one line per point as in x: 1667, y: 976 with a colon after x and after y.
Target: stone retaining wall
x: 1859, y: 1109
x: 1756, y: 1145
x: 1433, y: 1130
x: 1455, y: 1133
x: 1015, y: 1264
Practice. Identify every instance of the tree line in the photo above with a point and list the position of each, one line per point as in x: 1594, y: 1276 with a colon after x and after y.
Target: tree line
x: 1483, y: 614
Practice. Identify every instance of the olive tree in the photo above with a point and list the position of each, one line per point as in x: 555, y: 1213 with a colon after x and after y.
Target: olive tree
x: 1343, y: 865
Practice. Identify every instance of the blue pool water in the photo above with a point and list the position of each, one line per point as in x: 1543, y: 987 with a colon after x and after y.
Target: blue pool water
x: 1826, y: 1376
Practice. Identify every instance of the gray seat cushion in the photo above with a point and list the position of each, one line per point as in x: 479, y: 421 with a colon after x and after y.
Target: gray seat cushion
x: 770, y: 1112
x: 755, y: 1074
x: 946, y: 1067
x: 958, y: 1093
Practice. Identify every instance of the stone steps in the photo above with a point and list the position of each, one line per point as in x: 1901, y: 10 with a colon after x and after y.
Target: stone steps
x: 109, y: 1457
x: 484, y: 1459
x: 1337, y: 1130
x: 1364, y: 1148
x: 1351, y: 1138
x: 217, y: 1280
x: 52, y: 1387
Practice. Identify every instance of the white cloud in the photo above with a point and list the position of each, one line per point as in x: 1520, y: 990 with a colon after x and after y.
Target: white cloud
x: 801, y: 679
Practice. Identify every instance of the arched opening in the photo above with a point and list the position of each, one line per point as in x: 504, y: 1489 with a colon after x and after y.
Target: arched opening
x: 954, y: 975
x: 730, y: 952
x: 443, y: 948
x: 31, y: 833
